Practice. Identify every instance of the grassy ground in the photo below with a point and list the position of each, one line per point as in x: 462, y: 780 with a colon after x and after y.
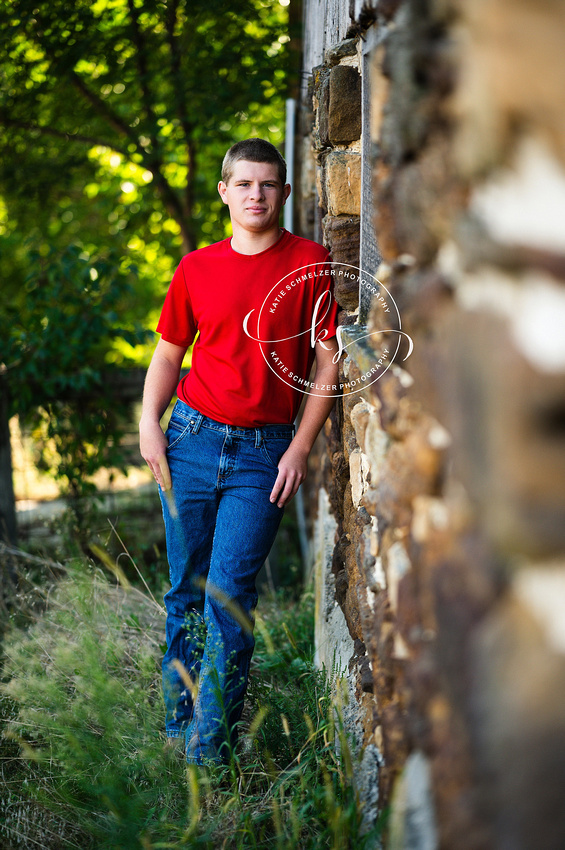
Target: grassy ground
x: 83, y: 760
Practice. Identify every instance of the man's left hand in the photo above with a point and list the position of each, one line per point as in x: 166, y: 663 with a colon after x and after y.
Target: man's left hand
x: 292, y: 472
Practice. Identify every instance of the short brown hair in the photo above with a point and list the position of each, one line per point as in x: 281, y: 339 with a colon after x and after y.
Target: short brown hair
x: 253, y: 150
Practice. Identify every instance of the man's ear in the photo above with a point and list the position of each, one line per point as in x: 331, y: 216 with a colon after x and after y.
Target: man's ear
x: 222, y: 189
x: 286, y: 192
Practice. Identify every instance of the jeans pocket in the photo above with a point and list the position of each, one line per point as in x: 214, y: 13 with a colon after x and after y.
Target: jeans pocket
x: 177, y: 429
x: 274, y: 448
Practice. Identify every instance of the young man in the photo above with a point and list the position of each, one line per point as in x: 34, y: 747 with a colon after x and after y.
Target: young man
x: 229, y: 456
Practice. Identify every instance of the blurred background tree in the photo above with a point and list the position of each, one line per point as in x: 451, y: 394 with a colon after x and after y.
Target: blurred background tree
x: 115, y: 115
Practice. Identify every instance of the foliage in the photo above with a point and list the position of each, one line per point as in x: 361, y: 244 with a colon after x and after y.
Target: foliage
x: 114, y: 117
x: 83, y: 708
x: 68, y: 316
x: 133, y: 103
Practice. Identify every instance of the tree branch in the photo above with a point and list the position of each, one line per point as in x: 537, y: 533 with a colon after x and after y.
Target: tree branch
x: 174, y: 206
x: 141, y: 59
x: 176, y: 69
x: 170, y: 198
x: 181, y: 105
x: 102, y: 108
x: 154, y: 162
x: 6, y: 121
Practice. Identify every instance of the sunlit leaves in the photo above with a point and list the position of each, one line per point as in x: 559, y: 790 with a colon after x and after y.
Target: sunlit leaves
x: 70, y: 315
x: 162, y: 85
x: 114, y: 119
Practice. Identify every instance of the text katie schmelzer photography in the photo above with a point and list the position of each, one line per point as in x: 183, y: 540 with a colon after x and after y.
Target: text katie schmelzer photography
x: 276, y: 311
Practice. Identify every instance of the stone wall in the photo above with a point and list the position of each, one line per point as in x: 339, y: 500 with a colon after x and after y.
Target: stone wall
x: 441, y: 532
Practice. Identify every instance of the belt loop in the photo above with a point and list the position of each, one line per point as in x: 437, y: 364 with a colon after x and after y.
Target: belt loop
x: 258, y: 437
x: 197, y: 423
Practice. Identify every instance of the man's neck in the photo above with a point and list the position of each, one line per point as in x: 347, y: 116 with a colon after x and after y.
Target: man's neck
x: 247, y: 242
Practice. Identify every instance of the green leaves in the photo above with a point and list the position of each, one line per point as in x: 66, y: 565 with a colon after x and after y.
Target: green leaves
x: 54, y: 343
x: 167, y: 85
x: 114, y: 119
x: 54, y: 347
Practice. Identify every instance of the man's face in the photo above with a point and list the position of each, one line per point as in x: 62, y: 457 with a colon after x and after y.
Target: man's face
x: 254, y: 195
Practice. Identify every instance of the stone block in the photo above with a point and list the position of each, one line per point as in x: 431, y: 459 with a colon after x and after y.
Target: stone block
x: 359, y: 471
x: 341, y: 50
x: 347, y: 293
x: 307, y: 171
x: 379, y: 92
x: 321, y: 187
x: 518, y: 728
x: 344, y: 116
x: 464, y: 443
x: 342, y: 238
x: 413, y: 819
x: 394, y: 738
x: 321, y: 99
x: 416, y: 203
x: 398, y: 565
x: 370, y: 566
x: 412, y: 467
x: 377, y: 443
x: 343, y: 183
x: 360, y: 414
x: 390, y: 390
x: 498, y: 90
x: 506, y: 418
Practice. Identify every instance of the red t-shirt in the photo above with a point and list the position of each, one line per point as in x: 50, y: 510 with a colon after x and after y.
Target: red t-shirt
x: 234, y: 378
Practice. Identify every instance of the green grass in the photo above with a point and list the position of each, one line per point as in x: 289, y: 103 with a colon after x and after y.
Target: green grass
x: 83, y: 761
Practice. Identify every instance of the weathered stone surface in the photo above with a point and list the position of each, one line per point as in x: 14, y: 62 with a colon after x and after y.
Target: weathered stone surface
x: 307, y: 173
x: 360, y: 415
x: 398, y: 566
x: 337, y: 52
x: 518, y: 728
x: 498, y: 92
x: 391, y: 388
x: 448, y: 470
x: 379, y: 92
x: 396, y: 745
x: 413, y: 818
x: 344, y: 105
x: 347, y: 293
x: 343, y: 183
x: 388, y: 8
x: 321, y: 100
x: 341, y: 235
x: 321, y: 184
x: 359, y: 474
x: 515, y: 476
x: 367, y: 781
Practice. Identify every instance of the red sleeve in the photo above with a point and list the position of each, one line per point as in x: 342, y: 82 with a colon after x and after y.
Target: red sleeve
x: 177, y: 323
x: 325, y: 282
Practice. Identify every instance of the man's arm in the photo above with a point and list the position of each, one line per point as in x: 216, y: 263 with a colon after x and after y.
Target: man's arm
x: 160, y: 384
x: 292, y: 465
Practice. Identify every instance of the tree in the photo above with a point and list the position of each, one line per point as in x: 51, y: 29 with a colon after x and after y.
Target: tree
x: 71, y: 305
x: 114, y: 117
x: 163, y: 86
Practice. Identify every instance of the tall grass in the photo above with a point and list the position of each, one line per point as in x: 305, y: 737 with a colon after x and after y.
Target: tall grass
x: 83, y: 756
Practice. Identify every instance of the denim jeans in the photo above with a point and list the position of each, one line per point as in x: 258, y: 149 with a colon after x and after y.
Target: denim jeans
x: 220, y: 526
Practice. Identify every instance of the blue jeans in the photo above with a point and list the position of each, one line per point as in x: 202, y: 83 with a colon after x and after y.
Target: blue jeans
x: 220, y: 526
